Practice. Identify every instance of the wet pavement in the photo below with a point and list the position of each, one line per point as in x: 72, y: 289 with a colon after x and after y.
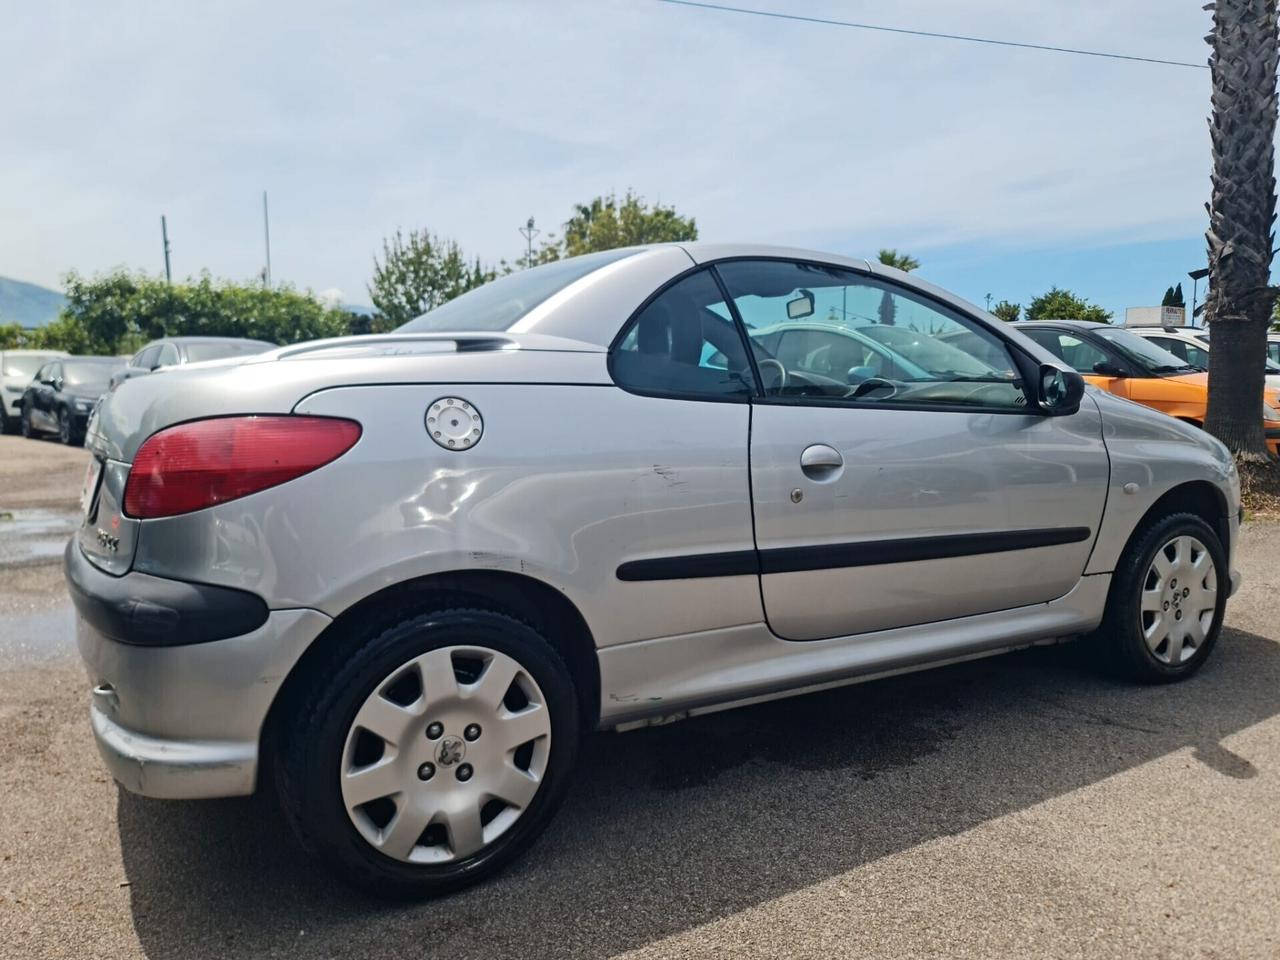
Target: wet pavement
x: 29, y: 537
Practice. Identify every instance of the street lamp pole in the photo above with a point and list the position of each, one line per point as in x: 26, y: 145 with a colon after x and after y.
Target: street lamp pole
x: 528, y: 231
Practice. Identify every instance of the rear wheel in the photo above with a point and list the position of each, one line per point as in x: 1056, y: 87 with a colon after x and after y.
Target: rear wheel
x: 25, y: 424
x: 434, y: 755
x: 1167, y: 601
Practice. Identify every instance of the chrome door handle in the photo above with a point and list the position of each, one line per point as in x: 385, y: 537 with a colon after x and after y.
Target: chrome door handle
x: 821, y: 462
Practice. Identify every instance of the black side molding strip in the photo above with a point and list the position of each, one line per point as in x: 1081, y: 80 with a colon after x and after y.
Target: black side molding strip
x: 152, y: 611
x: 834, y: 556
x: 910, y: 549
x: 735, y: 563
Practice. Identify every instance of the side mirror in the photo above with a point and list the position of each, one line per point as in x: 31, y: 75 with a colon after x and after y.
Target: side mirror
x: 1105, y: 368
x: 801, y: 306
x: 1060, y: 391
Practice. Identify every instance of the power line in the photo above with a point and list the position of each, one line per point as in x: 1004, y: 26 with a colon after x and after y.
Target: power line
x: 939, y: 36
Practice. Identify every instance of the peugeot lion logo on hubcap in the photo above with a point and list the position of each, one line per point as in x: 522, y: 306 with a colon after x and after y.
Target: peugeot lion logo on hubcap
x: 450, y: 751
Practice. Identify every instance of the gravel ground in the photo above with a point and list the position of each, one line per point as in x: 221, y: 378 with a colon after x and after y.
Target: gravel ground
x: 1017, y: 806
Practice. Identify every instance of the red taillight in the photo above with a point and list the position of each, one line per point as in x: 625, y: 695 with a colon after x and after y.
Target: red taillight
x: 199, y: 464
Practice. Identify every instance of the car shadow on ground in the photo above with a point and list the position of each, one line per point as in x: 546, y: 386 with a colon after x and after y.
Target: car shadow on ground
x: 671, y: 827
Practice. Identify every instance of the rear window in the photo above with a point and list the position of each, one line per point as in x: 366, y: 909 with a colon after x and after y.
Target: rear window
x: 89, y: 373
x: 197, y: 352
x: 500, y: 303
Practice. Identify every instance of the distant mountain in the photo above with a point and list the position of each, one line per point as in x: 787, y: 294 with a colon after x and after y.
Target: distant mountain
x: 27, y: 303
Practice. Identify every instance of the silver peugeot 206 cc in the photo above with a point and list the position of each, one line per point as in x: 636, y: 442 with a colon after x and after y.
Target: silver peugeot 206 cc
x: 401, y: 575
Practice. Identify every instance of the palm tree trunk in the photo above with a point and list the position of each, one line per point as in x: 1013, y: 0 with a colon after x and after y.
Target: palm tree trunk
x: 1241, y: 212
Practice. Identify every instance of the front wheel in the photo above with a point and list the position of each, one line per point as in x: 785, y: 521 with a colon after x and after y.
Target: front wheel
x: 66, y: 432
x: 27, y: 429
x: 1167, y: 600
x: 433, y: 755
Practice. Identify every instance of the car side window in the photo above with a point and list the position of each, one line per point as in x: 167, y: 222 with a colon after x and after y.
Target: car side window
x: 824, y: 333
x: 1177, y: 347
x: 41, y: 375
x: 1197, y: 356
x: 168, y: 355
x: 147, y: 358
x: 1273, y: 351
x: 684, y: 344
x: 55, y: 372
x: 1078, y: 354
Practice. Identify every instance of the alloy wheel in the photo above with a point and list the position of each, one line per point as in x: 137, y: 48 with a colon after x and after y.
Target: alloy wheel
x: 1179, y: 600
x: 445, y: 754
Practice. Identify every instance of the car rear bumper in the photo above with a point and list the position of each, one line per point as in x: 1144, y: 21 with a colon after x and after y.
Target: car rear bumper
x: 185, y: 721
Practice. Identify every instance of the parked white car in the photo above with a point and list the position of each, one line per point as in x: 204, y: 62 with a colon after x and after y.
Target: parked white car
x: 1192, y: 345
x: 401, y: 575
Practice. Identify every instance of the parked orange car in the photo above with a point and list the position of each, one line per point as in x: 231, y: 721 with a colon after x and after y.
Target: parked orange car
x: 1130, y: 366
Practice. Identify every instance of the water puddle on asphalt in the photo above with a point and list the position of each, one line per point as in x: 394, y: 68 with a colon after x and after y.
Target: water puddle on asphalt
x: 30, y: 638
x: 31, y: 537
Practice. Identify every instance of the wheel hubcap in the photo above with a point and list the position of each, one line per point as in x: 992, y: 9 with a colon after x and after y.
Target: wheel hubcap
x: 445, y: 754
x: 1179, y: 600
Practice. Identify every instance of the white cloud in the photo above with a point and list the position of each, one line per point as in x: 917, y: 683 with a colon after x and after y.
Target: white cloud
x: 469, y: 118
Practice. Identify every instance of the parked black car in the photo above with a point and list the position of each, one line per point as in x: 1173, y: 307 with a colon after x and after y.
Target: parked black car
x: 63, y: 394
x: 174, y: 351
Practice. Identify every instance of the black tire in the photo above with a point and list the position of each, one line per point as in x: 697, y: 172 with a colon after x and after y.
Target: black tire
x: 25, y: 426
x: 66, y: 432
x: 7, y: 424
x: 313, y: 739
x: 1121, y: 634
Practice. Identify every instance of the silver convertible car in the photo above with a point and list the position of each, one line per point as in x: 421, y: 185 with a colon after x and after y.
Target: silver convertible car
x: 399, y: 576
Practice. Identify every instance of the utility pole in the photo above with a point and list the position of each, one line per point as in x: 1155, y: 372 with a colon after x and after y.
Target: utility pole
x: 164, y: 235
x: 528, y: 231
x: 266, y: 233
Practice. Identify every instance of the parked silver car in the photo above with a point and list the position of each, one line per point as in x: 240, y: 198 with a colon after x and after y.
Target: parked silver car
x: 400, y: 575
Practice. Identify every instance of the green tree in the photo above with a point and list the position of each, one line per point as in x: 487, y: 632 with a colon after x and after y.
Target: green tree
x: 1059, y: 304
x: 902, y: 261
x: 120, y: 311
x: 1006, y: 311
x: 418, y: 272
x: 606, y: 223
x: 1245, y: 45
x: 1173, y: 297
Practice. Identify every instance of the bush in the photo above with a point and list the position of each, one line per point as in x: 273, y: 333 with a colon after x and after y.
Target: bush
x: 118, y: 312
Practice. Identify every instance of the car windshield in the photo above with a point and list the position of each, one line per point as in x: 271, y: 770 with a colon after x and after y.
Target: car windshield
x: 89, y: 374
x: 196, y: 352
x: 24, y: 365
x: 1141, y: 352
x: 500, y: 303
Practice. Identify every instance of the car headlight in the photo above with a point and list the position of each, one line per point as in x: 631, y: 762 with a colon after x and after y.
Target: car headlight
x: 1269, y: 412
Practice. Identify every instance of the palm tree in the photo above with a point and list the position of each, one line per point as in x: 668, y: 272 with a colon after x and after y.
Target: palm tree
x: 1241, y: 210
x: 903, y: 261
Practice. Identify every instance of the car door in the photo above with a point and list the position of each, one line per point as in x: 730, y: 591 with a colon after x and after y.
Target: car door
x: 881, y: 503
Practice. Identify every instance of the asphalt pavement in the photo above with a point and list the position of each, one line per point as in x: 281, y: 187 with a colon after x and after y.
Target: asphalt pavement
x: 1020, y: 806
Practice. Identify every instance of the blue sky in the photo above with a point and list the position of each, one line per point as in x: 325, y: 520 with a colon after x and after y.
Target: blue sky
x: 1003, y: 171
